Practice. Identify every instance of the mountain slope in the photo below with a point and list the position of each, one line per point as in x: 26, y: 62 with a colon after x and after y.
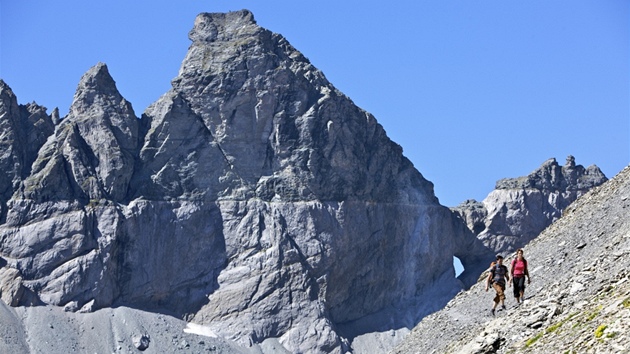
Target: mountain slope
x: 579, y: 298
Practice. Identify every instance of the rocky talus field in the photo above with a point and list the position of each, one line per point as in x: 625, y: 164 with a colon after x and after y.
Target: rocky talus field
x: 579, y: 298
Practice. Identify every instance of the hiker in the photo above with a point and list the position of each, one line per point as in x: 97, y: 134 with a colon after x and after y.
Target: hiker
x: 497, y: 277
x: 518, y: 271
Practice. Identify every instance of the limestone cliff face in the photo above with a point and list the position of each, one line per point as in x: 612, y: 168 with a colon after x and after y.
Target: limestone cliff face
x: 518, y: 209
x: 252, y: 197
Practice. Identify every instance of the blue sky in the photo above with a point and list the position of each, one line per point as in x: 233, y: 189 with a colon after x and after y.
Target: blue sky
x: 474, y: 91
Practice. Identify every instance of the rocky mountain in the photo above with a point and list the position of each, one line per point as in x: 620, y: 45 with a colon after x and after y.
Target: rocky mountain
x: 518, y: 209
x: 252, y: 198
x: 578, y: 300
x: 23, y: 131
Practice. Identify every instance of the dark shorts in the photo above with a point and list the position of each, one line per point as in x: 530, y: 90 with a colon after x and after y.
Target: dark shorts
x: 519, y: 285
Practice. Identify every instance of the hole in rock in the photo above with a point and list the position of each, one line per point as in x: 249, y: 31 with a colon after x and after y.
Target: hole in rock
x: 459, y: 267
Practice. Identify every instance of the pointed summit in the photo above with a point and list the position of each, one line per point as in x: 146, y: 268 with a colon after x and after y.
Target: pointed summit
x: 97, y: 79
x: 23, y: 130
x: 101, y: 130
x: 8, y: 101
x: 97, y: 98
x: 97, y: 89
x: 211, y: 27
x: 4, y: 86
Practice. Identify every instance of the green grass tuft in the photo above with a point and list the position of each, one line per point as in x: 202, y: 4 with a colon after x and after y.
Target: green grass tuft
x: 599, y: 332
x: 554, y: 328
x: 593, y: 315
x: 533, y: 340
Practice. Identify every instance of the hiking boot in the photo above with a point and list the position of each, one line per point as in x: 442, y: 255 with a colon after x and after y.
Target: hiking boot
x: 492, y: 312
x: 503, y: 307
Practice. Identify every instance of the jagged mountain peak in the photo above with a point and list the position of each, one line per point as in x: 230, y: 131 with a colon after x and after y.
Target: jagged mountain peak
x: 7, y: 100
x: 97, y: 98
x: 277, y: 121
x: 97, y: 139
x: 229, y: 45
x: 518, y: 209
x: 551, y: 176
x: 4, y: 86
x: 96, y: 77
x: 23, y: 130
x: 210, y: 27
x: 95, y: 82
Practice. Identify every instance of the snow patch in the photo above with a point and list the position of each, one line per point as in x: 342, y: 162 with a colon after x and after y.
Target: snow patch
x: 200, y: 330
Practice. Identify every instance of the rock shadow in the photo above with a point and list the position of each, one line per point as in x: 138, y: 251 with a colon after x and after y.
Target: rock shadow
x: 171, y: 257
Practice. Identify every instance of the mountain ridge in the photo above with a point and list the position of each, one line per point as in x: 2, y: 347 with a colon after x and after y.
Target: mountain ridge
x: 518, y: 209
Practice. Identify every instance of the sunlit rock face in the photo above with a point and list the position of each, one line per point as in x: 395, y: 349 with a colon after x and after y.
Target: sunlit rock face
x: 253, y: 197
x: 518, y: 209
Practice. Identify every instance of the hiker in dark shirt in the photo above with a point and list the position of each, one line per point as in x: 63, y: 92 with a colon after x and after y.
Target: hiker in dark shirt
x: 497, y: 278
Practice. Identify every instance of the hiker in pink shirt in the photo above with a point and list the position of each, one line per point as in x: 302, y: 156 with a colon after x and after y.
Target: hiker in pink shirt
x: 518, y: 271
